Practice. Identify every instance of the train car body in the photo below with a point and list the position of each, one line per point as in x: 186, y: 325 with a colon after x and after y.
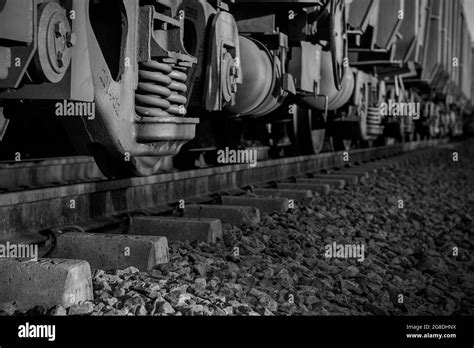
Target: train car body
x: 146, y: 78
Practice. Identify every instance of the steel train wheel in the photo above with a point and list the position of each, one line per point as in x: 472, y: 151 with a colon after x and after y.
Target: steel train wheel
x: 309, y: 131
x: 340, y: 144
x: 337, y: 40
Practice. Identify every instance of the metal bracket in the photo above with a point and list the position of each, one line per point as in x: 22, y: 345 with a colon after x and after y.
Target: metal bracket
x: 164, y: 46
x: 326, y: 103
x: 223, y: 55
x: 288, y: 83
x: 223, y: 5
x: 52, y: 234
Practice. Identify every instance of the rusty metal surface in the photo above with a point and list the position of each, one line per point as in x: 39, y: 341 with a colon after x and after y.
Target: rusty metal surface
x: 29, y: 211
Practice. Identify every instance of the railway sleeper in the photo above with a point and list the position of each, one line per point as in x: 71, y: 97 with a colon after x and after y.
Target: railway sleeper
x: 337, y: 183
x: 45, y: 282
x: 232, y: 214
x: 349, y: 178
x: 297, y: 195
x: 266, y: 205
x: 112, y: 251
x: 322, y: 189
x: 177, y: 228
x: 360, y: 174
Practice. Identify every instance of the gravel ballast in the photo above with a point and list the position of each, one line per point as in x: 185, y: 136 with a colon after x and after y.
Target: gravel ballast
x: 399, y: 243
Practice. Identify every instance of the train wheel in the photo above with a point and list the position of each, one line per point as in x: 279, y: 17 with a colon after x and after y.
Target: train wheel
x: 338, y: 41
x: 340, y: 144
x: 393, y: 132
x: 309, y: 131
x: 365, y: 144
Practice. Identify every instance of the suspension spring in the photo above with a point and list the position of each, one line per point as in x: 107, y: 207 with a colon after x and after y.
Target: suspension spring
x: 373, y: 116
x: 374, y: 121
x: 161, y: 90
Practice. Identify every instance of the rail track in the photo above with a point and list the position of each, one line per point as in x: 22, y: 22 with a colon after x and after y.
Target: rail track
x: 115, y: 198
x: 95, y: 219
x: 51, y: 193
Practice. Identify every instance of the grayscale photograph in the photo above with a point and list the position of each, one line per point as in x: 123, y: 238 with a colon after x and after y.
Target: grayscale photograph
x: 309, y: 164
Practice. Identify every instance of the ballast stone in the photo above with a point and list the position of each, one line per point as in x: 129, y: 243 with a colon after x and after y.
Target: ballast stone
x: 45, y: 282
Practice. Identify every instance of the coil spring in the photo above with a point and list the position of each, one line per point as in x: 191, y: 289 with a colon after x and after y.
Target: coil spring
x: 161, y: 90
x: 374, y: 121
x: 373, y: 116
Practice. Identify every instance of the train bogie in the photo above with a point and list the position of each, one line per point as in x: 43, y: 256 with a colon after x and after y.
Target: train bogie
x: 154, y: 69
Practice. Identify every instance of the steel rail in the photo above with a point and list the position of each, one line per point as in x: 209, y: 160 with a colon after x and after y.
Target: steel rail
x: 24, y: 213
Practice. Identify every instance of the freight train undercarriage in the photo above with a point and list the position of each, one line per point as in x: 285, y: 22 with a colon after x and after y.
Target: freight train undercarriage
x: 138, y: 83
